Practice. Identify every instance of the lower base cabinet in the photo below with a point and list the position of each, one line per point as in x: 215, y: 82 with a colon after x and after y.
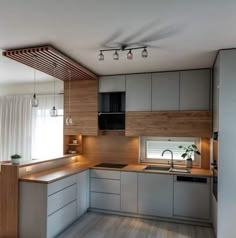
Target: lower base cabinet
x: 61, y: 219
x: 155, y: 194
x: 47, y: 209
x: 129, y: 192
x: 82, y: 192
x: 192, y: 197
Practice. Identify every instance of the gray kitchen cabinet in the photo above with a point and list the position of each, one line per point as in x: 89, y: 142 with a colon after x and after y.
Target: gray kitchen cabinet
x: 105, y: 189
x: 47, y: 209
x: 82, y: 192
x: 155, y: 194
x: 165, y: 91
x: 138, y: 92
x: 192, y: 197
x: 216, y: 85
x: 195, y: 89
x: 129, y: 192
x: 114, y: 83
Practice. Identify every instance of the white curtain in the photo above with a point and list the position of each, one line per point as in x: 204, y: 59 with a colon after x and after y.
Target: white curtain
x: 47, y: 131
x: 15, y: 126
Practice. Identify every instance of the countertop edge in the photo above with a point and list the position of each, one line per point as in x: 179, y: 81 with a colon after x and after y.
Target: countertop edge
x: 37, y: 177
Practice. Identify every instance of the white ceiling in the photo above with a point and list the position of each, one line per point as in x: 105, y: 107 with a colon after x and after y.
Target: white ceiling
x: 186, y: 33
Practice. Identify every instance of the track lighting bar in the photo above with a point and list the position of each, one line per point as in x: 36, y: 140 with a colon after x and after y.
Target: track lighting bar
x: 144, y: 52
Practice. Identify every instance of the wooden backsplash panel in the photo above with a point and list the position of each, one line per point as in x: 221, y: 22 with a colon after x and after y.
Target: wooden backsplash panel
x: 205, y: 153
x: 109, y: 148
x: 122, y: 149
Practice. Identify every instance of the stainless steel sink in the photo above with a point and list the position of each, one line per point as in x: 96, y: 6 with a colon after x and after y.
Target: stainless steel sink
x: 168, y: 169
x: 155, y: 167
x: 179, y: 170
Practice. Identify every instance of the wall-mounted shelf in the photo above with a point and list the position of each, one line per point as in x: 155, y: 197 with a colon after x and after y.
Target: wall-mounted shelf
x: 70, y: 147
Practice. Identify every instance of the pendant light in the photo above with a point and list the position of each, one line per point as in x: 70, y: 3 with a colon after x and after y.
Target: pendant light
x: 69, y: 120
x: 53, y: 112
x: 34, y: 101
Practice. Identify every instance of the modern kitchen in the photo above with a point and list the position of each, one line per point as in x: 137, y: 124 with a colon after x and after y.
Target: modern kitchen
x: 126, y: 132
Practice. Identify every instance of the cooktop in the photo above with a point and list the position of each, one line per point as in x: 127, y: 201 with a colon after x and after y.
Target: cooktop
x: 110, y: 165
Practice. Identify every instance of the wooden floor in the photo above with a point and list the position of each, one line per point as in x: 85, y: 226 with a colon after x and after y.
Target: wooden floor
x: 95, y: 225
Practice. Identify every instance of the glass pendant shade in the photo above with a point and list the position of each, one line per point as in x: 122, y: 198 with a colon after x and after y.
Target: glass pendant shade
x: 116, y: 56
x: 69, y: 120
x: 144, y: 53
x: 34, y: 101
x: 101, y: 56
x: 53, y: 112
x: 130, y: 55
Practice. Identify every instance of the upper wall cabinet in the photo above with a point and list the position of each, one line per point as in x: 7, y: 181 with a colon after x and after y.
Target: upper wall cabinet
x: 112, y: 84
x: 195, y: 89
x: 84, y: 107
x: 138, y: 92
x: 165, y: 91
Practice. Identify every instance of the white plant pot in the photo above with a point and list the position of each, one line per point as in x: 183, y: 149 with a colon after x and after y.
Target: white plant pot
x: 189, y: 163
x: 15, y: 161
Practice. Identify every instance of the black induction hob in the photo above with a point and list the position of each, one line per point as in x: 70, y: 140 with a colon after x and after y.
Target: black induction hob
x: 110, y: 165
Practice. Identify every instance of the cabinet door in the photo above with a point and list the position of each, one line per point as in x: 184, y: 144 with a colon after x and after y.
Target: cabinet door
x: 165, y: 91
x: 195, y: 89
x: 84, y: 107
x: 59, y: 220
x: 129, y: 192
x: 216, y: 82
x: 192, y: 200
x: 105, y: 201
x: 112, y: 83
x: 138, y: 92
x: 82, y: 192
x: 155, y: 194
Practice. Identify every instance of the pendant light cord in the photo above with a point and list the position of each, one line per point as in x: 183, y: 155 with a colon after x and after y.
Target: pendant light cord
x: 34, y: 75
x: 69, y: 89
x: 54, y: 86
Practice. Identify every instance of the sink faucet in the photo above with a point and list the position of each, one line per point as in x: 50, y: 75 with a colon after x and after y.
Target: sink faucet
x: 172, y: 160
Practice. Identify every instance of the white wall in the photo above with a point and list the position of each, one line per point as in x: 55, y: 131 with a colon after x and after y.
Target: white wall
x: 227, y: 144
x: 27, y: 88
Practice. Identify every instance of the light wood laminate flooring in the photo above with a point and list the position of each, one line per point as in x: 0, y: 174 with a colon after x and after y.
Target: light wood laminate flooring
x: 96, y: 225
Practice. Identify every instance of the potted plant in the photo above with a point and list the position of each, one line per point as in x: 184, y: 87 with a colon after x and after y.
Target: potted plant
x: 15, y: 159
x: 188, y: 152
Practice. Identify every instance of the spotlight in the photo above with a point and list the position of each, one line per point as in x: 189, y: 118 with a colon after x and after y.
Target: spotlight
x: 116, y: 56
x: 144, y: 53
x: 101, y: 56
x: 130, y: 55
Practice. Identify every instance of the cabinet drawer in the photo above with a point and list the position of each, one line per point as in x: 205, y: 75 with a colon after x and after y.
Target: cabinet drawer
x: 61, y: 184
x: 105, y: 201
x: 61, y: 219
x: 61, y: 198
x: 95, y: 173
x: 105, y: 185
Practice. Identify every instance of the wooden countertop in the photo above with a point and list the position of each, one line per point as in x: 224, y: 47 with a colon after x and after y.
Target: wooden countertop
x: 37, y: 161
x: 52, y: 175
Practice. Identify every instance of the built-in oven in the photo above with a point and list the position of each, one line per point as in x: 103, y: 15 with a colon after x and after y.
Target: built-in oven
x: 215, y: 182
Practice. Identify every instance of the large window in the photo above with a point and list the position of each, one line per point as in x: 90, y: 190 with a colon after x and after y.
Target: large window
x: 151, y: 149
x: 47, y: 131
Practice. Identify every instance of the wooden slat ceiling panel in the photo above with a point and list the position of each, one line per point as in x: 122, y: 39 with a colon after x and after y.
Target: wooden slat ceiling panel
x: 50, y: 61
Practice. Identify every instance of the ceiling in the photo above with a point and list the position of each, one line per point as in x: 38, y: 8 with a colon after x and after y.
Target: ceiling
x: 181, y: 34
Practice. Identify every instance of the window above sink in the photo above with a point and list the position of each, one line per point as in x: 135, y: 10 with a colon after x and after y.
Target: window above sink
x: 151, y: 149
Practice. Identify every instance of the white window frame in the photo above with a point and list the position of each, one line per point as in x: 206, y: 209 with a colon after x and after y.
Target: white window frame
x: 143, y: 152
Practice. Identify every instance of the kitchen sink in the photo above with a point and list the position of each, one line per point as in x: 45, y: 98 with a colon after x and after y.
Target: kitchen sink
x: 110, y: 165
x: 155, y: 167
x: 179, y: 170
x: 168, y: 169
